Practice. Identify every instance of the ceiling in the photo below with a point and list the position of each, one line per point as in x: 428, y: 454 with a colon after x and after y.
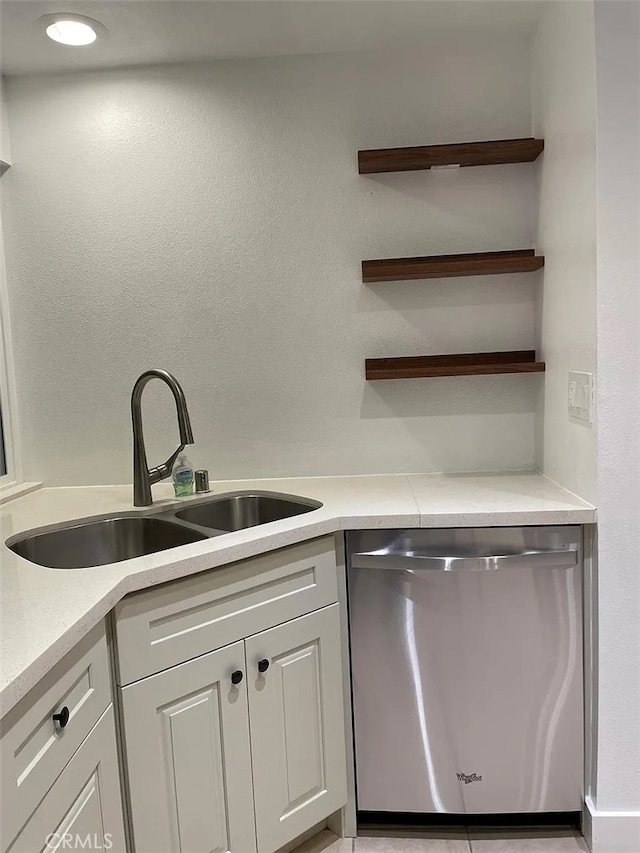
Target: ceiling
x: 142, y: 32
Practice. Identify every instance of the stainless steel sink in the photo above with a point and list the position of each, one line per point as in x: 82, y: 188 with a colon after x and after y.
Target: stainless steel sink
x: 107, y: 540
x: 245, y: 509
x: 111, y: 539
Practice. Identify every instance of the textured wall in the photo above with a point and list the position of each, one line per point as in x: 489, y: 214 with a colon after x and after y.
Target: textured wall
x: 210, y: 220
x: 617, y: 55
x: 563, y: 106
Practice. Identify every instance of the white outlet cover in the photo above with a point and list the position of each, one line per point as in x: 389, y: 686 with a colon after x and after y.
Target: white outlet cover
x: 580, y: 396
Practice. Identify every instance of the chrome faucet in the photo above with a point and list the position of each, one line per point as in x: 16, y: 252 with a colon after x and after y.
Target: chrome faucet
x: 143, y: 476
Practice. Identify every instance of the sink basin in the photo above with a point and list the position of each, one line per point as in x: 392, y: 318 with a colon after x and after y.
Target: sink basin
x: 111, y: 539
x: 107, y: 540
x: 236, y: 512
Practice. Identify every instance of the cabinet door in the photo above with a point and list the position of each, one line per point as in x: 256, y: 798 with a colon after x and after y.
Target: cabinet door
x: 189, y: 766
x: 83, y: 809
x: 297, y: 726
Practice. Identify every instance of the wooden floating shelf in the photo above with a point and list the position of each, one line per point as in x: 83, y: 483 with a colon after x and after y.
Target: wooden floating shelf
x: 464, y: 364
x: 445, y: 266
x: 461, y: 154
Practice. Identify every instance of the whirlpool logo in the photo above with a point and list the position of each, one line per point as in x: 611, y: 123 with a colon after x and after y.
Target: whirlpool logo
x: 472, y: 777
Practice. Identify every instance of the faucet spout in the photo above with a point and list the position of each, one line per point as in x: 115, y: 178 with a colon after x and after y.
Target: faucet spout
x: 143, y: 476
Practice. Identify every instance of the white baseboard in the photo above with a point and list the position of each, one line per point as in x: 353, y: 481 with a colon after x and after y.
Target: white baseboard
x: 610, y: 832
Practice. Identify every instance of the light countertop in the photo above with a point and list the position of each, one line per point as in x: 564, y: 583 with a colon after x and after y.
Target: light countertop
x: 45, y: 612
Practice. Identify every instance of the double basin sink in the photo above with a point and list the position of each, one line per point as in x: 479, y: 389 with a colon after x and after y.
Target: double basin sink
x: 113, y: 538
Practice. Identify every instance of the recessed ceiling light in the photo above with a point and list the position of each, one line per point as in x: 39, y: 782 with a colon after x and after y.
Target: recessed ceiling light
x: 71, y: 32
x: 69, y: 29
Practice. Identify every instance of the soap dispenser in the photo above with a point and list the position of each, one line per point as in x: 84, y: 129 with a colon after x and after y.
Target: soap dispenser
x: 183, y: 477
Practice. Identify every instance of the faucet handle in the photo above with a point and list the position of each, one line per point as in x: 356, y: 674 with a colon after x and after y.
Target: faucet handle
x: 161, y: 472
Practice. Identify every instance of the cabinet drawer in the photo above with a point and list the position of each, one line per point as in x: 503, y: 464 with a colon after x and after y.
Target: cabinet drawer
x: 178, y: 621
x: 34, y: 749
x: 83, y: 810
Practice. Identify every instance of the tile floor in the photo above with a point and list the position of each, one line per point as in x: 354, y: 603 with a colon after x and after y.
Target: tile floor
x: 470, y: 841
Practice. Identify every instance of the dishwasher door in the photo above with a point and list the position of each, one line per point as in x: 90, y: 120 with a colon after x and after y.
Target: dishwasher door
x: 466, y: 649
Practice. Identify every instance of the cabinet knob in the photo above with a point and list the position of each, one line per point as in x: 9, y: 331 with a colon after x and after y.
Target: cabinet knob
x: 62, y: 718
x: 263, y: 665
x: 237, y: 676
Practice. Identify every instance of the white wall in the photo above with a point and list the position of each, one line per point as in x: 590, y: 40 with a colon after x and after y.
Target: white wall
x: 588, y: 229
x: 617, y: 795
x: 210, y: 220
x: 563, y: 105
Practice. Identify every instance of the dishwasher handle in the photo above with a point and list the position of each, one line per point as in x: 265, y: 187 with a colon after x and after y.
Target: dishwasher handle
x: 563, y: 559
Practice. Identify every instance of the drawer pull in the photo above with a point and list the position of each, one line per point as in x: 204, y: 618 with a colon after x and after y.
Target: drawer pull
x: 62, y: 718
x: 263, y: 665
x: 237, y: 676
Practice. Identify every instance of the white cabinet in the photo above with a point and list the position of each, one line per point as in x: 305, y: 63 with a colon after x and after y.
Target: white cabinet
x: 34, y: 749
x: 297, y: 726
x: 232, y: 704
x: 59, y: 762
x: 200, y: 748
x: 82, y: 810
x: 172, y: 623
x: 188, y: 759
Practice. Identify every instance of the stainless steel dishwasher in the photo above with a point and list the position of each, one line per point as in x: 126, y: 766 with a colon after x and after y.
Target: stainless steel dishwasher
x: 466, y: 651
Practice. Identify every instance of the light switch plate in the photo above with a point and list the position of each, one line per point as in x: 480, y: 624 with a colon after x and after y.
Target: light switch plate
x: 580, y: 396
